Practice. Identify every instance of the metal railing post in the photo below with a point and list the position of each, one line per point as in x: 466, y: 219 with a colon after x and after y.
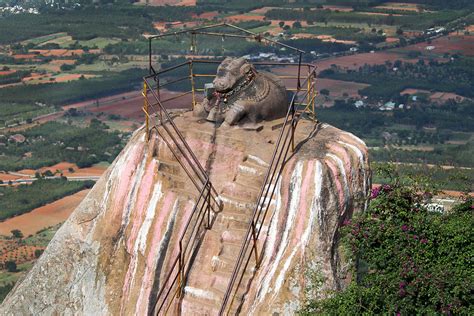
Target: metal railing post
x: 292, y: 126
x: 254, y: 237
x: 209, y: 206
x: 180, y: 270
x: 149, y: 56
x: 145, y: 109
x: 191, y: 77
x: 299, y: 71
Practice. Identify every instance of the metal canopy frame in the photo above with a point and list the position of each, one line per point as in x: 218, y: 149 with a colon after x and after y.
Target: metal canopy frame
x: 259, y: 38
x: 242, y: 34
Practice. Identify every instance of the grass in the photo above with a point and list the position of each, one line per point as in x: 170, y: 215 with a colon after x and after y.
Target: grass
x: 11, y: 277
x: 42, y: 237
x: 11, y: 113
x: 43, y: 39
x: 99, y: 42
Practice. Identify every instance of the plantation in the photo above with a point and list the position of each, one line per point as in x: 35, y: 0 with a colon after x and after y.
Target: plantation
x: 79, y: 90
x: 24, y: 198
x: 54, y: 142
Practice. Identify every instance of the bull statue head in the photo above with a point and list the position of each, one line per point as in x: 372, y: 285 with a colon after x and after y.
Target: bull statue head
x: 230, y: 72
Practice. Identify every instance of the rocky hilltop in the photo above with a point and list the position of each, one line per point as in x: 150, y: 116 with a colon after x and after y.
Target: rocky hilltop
x: 111, y: 256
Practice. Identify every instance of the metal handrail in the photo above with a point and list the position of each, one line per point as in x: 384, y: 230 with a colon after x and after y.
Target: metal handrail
x: 178, y: 139
x: 173, y: 286
x: 275, y: 168
x: 206, y: 202
x: 182, y: 262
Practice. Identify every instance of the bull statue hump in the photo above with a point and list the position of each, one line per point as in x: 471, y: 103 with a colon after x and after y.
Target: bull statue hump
x: 242, y: 95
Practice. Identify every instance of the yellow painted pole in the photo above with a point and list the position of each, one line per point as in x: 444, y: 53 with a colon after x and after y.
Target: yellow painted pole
x: 145, y: 109
x: 191, y: 77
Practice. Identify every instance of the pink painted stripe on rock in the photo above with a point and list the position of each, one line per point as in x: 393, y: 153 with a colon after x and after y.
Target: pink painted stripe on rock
x: 120, y: 194
x: 158, y: 233
x: 342, y: 153
x: 146, y: 185
x: 335, y: 174
x: 303, y: 205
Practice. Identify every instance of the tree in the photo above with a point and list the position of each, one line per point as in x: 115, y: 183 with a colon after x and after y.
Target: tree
x: 17, y: 233
x: 11, y: 266
x: 297, y: 25
x: 281, y: 24
x: 399, y: 31
x: 324, y: 92
x: 38, y: 253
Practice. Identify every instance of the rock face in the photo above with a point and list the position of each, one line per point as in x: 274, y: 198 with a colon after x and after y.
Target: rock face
x: 112, y: 254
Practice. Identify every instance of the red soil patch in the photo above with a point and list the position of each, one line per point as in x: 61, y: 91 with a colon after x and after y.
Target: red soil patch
x: 62, y: 166
x: 337, y: 8
x: 84, y: 172
x: 413, y: 91
x: 206, y: 15
x: 5, y: 177
x: 131, y: 106
x: 7, y: 72
x: 463, y: 44
x: 29, y: 172
x: 392, y: 40
x: 45, y: 216
x: 441, y: 97
x: 25, y: 56
x: 71, y: 77
x: 19, y: 254
x: 171, y: 2
x: 337, y: 87
x: 112, y: 98
x: 243, y: 17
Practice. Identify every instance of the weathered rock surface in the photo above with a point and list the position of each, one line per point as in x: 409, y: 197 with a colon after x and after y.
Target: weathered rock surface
x: 112, y: 253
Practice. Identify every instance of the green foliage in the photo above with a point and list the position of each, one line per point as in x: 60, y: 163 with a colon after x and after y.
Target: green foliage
x: 11, y: 266
x: 14, y: 112
x: 68, y: 92
x: 456, y: 76
x: 410, y: 261
x: 115, y: 21
x: 419, y: 21
x: 38, y: 253
x: 4, y: 290
x: 54, y: 142
x: 16, y: 233
x: 24, y: 198
x: 14, y: 77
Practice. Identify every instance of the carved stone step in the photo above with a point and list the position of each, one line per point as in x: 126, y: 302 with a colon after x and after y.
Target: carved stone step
x: 240, y: 191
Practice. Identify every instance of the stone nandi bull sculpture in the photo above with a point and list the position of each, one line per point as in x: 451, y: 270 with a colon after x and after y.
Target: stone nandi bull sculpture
x: 240, y: 94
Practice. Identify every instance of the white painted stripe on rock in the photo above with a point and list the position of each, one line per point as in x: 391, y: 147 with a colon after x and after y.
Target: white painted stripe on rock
x: 340, y: 165
x: 200, y: 293
x: 248, y: 170
x: 295, y: 192
x: 141, y: 240
x: 258, y: 160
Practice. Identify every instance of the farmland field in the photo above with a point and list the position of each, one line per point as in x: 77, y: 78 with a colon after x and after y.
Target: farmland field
x: 44, y: 216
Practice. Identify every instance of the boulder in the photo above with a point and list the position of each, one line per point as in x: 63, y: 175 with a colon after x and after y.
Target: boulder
x: 113, y: 254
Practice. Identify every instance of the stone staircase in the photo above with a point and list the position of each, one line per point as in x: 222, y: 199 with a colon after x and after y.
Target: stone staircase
x: 216, y: 258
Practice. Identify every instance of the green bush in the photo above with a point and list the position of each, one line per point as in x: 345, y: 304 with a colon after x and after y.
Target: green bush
x: 409, y: 261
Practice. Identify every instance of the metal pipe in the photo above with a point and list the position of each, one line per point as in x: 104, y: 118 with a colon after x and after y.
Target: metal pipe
x: 177, y: 96
x: 192, y: 83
